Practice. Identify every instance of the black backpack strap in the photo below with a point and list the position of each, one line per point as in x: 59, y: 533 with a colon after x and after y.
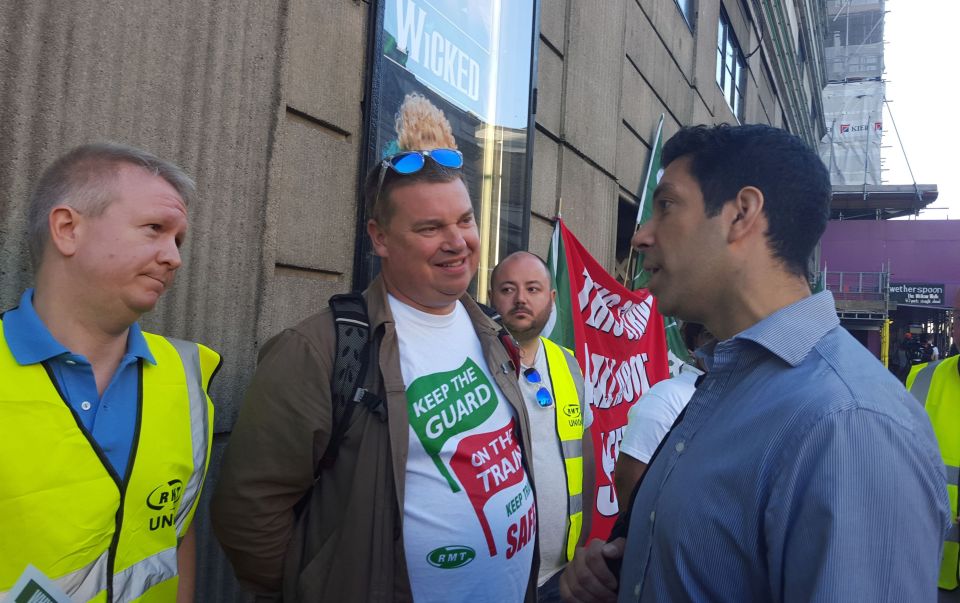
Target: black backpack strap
x: 350, y: 365
x: 506, y: 339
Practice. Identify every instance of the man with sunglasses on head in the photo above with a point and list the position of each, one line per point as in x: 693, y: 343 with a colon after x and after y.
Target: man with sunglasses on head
x: 552, y: 388
x: 428, y: 497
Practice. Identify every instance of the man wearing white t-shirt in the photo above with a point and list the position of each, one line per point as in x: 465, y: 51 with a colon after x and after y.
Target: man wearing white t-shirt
x: 649, y: 420
x: 429, y: 497
x: 559, y: 415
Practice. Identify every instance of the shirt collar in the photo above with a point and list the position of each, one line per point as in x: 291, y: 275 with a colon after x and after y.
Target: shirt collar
x: 31, y: 342
x: 137, y: 344
x: 791, y: 332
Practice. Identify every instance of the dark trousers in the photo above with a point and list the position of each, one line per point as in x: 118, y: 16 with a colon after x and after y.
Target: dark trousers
x: 550, y: 591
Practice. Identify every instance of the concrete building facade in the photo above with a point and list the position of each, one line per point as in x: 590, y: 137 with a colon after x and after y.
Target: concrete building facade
x: 265, y: 104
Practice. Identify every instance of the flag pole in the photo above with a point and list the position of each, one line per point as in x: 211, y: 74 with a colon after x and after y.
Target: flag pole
x: 627, y: 272
x: 653, y: 165
x: 646, y: 180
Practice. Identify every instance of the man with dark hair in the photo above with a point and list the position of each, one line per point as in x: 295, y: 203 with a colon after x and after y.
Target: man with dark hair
x: 560, y: 415
x: 801, y: 469
x: 428, y: 496
x: 105, y: 430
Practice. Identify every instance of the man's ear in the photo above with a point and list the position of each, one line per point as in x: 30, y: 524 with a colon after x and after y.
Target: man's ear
x: 377, y: 234
x: 64, y: 223
x: 553, y: 295
x: 745, y: 213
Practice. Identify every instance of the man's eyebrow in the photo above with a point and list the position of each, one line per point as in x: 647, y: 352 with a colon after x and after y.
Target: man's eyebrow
x: 427, y: 222
x: 664, y: 187
x: 438, y: 221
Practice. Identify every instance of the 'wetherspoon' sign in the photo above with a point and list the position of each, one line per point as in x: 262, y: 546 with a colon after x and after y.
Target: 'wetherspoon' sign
x: 917, y: 294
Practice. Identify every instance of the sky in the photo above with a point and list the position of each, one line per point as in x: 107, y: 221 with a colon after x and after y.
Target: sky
x: 921, y: 58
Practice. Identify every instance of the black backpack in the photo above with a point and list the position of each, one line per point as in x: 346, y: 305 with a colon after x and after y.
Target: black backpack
x: 354, y: 347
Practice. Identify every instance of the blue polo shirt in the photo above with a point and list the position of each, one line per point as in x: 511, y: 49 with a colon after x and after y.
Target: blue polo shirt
x: 109, y: 419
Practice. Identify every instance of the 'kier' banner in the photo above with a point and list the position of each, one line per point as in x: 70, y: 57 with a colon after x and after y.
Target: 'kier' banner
x: 619, y: 341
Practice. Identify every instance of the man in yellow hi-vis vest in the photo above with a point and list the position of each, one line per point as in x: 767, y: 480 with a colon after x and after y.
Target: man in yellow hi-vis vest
x: 937, y: 386
x: 105, y: 430
x: 559, y: 415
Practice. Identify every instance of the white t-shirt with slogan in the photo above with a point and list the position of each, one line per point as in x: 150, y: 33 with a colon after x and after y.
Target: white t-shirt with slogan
x: 469, y: 521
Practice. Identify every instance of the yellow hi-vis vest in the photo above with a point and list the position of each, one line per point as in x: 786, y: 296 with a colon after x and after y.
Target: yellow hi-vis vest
x: 99, y: 536
x: 937, y: 386
x: 566, y: 381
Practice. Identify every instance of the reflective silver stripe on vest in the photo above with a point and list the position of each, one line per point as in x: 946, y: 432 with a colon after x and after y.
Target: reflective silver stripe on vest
x: 140, y: 577
x: 921, y: 383
x: 190, y: 356
x: 953, y: 475
x: 574, y: 369
x: 82, y: 584
x: 572, y: 448
x: 953, y: 534
x: 576, y: 504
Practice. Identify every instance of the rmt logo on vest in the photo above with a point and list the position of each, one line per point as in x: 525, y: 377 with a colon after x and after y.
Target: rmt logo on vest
x: 165, y: 498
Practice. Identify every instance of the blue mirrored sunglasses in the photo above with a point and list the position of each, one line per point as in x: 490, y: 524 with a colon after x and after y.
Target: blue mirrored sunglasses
x: 532, y: 375
x: 411, y: 162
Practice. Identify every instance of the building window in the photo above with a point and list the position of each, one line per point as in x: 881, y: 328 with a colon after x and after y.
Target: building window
x: 686, y: 9
x: 731, y: 67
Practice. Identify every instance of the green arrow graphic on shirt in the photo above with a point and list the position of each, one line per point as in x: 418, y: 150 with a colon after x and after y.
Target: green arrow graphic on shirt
x: 442, y: 405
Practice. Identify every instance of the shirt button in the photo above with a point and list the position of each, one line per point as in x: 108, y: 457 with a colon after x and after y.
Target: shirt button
x: 653, y: 515
x: 85, y: 405
x: 679, y: 447
x: 636, y: 590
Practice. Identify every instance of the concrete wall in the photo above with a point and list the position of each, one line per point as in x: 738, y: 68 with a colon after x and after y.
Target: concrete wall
x: 261, y: 102
x: 607, y: 70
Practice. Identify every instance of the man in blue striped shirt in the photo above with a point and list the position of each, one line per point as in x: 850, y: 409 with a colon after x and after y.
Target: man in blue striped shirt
x: 801, y: 469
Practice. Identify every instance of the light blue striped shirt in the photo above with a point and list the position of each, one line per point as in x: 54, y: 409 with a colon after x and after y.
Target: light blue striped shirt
x: 802, y: 471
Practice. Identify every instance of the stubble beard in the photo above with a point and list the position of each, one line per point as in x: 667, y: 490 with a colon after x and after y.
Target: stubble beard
x: 532, y: 332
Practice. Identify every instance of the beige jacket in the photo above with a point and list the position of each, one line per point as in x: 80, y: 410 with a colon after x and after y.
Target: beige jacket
x: 352, y: 549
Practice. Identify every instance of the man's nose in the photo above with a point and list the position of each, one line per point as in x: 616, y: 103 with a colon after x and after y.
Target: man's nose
x: 453, y: 239
x: 170, y: 255
x: 643, y: 238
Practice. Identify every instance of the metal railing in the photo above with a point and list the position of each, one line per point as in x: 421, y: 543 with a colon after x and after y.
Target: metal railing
x: 857, y: 286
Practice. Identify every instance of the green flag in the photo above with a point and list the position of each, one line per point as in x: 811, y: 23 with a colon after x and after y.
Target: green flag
x: 654, y: 171
x: 677, y: 349
x: 559, y: 328
x: 821, y: 281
